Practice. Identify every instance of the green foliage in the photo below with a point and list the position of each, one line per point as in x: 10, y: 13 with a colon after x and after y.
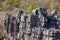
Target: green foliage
x: 1, y: 8
x: 30, y: 8
x: 6, y: 2
x: 10, y: 2
x: 16, y: 3
x: 48, y: 1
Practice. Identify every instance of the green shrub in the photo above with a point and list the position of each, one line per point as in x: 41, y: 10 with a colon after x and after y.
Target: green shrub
x: 16, y: 3
x: 1, y: 9
x: 7, y: 2
x: 30, y: 8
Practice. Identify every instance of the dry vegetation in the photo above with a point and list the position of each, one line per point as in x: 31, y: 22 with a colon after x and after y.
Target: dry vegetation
x: 24, y: 4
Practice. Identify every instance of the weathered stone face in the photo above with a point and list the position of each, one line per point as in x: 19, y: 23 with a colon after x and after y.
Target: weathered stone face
x: 39, y: 30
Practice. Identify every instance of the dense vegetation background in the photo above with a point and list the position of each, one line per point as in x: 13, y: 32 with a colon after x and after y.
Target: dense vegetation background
x: 9, y: 5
